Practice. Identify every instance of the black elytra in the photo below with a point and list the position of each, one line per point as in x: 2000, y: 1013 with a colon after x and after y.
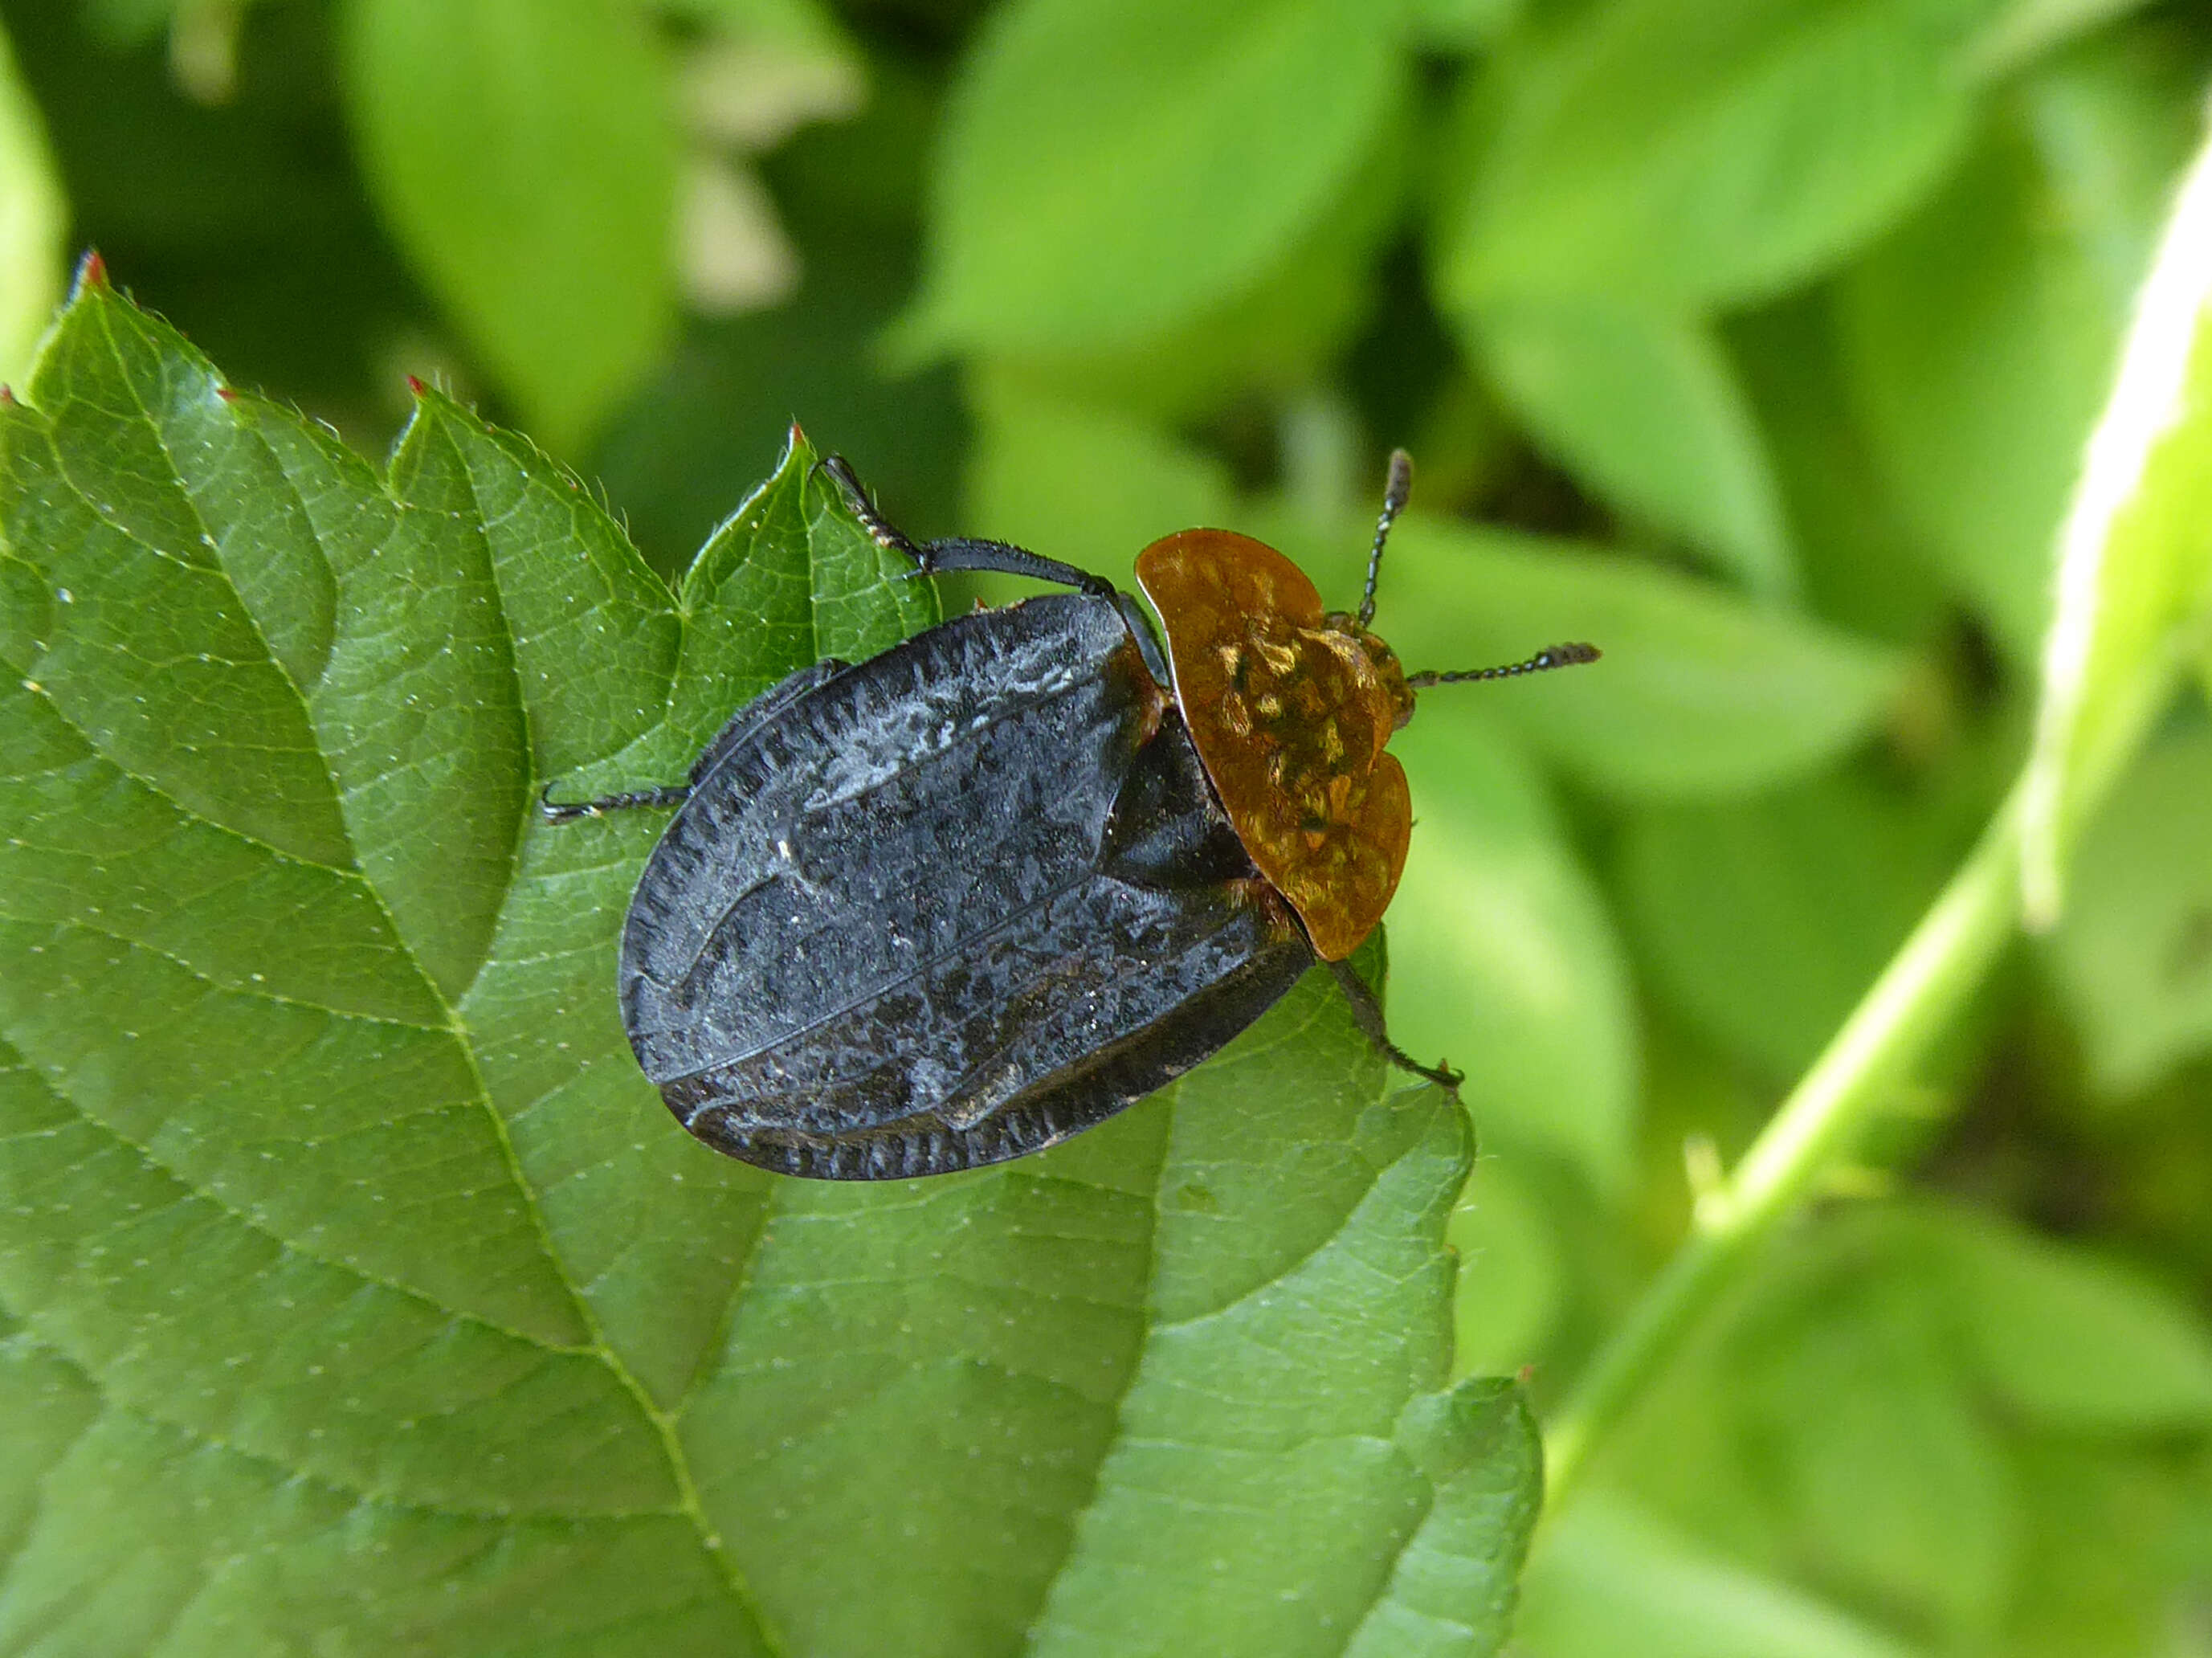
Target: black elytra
x: 954, y: 903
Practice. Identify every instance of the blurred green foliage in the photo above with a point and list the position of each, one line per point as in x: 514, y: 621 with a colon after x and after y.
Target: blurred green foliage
x: 1757, y: 340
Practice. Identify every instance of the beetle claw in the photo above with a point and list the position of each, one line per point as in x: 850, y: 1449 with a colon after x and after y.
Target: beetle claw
x: 555, y: 812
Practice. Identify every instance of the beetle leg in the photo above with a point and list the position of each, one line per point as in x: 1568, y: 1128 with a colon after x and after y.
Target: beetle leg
x: 961, y: 553
x: 886, y: 534
x: 742, y: 724
x: 1367, y: 1014
x: 568, y: 812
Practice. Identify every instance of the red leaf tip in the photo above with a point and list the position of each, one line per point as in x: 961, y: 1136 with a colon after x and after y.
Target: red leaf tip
x: 416, y: 386
x: 92, y: 270
x: 7, y: 396
x: 227, y: 393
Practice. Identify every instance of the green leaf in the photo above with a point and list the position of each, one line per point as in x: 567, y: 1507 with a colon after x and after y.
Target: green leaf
x: 1863, y: 568
x: 1512, y: 1281
x: 1699, y: 693
x: 2118, y: 1540
x: 1763, y: 921
x: 1081, y: 483
x: 359, y: 1286
x: 2070, y: 1340
x: 1111, y: 168
x: 1611, y: 1580
x: 1281, y: 334
x: 1855, y: 1414
x: 2133, y: 954
x: 1646, y: 407
x: 1979, y: 338
x: 32, y: 219
x: 523, y: 154
x: 2134, y: 572
x: 1683, y: 155
x: 1461, y: 25
x: 1505, y: 957
x: 2021, y: 31
x: 1450, y: 1591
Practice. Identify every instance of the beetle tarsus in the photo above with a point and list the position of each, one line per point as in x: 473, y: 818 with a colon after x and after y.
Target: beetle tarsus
x: 1367, y: 1014
x: 1440, y: 1073
x: 885, y: 534
x: 960, y: 552
x: 568, y: 812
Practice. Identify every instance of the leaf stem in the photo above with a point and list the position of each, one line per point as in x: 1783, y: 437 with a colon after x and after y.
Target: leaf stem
x: 1946, y: 956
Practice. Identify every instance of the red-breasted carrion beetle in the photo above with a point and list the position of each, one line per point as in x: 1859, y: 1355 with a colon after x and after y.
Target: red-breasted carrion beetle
x: 961, y: 901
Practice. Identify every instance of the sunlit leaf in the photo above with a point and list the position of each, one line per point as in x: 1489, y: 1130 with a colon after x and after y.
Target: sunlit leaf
x: 1113, y: 168
x: 2134, y: 572
x: 1644, y: 405
x: 356, y: 1287
x: 523, y: 154
x: 1677, y: 153
x: 1275, y: 335
x: 1979, y: 339
x: 33, y: 218
x: 2090, y: 1584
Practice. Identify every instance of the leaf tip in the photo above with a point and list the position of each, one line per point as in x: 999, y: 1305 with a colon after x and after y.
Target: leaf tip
x: 227, y: 393
x: 7, y: 396
x: 796, y: 437
x: 415, y: 387
x: 91, y: 272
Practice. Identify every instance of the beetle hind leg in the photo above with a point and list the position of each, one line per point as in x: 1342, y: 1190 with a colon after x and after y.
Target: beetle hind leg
x: 1367, y: 1013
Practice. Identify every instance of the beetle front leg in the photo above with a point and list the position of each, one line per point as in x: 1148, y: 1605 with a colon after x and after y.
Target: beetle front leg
x: 568, y: 812
x: 961, y: 553
x: 958, y: 552
x: 1367, y: 1014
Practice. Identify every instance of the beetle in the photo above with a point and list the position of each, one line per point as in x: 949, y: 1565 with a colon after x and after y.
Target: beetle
x: 982, y: 891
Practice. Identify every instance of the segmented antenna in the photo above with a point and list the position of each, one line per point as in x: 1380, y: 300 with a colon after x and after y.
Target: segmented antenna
x: 1552, y: 656
x: 1395, y: 494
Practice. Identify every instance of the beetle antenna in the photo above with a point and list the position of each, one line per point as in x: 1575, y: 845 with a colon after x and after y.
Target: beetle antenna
x: 1552, y: 656
x: 1395, y: 494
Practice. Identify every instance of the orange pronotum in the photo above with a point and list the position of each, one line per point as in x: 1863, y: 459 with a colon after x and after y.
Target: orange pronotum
x: 1290, y: 708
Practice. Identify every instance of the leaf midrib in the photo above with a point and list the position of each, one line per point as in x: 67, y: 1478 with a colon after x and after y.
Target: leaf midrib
x: 455, y: 1025
x: 663, y: 1425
